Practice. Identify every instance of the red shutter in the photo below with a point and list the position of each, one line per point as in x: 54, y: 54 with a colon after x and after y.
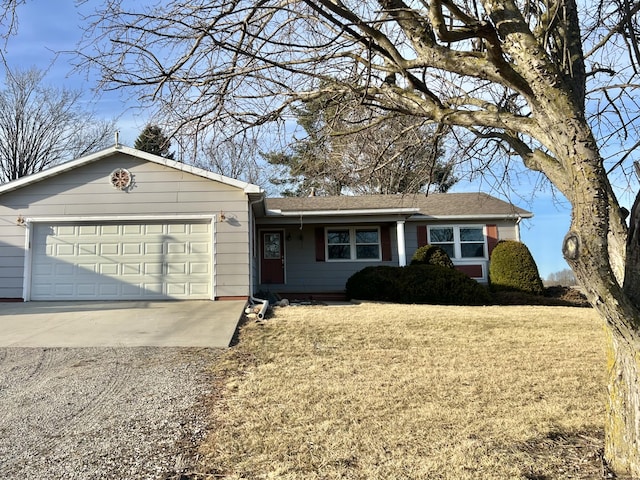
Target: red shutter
x: 422, y: 236
x: 385, y: 243
x: 320, y: 244
x: 492, y: 237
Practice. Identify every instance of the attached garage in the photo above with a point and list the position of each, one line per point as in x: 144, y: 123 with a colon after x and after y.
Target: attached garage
x: 114, y: 260
x: 122, y: 224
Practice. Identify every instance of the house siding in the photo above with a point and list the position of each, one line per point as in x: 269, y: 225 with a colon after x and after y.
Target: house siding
x: 306, y: 271
x: 156, y: 190
x: 305, y: 274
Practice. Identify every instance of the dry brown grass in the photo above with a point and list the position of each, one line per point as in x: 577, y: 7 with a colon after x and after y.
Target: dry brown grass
x: 380, y: 391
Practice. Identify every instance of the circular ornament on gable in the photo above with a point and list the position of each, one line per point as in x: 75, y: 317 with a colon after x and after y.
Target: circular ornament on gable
x: 120, y: 178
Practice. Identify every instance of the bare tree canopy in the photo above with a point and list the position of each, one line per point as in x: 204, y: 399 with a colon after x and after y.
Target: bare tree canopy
x: 552, y: 82
x: 42, y: 126
x: 346, y: 148
x: 237, y: 158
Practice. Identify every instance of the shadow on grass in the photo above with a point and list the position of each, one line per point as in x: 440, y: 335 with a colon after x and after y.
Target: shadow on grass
x: 565, y: 454
x: 556, y: 296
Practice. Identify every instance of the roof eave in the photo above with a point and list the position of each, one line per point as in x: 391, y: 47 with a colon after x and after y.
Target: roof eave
x: 482, y: 216
x: 53, y: 171
x: 73, y: 164
x: 341, y: 213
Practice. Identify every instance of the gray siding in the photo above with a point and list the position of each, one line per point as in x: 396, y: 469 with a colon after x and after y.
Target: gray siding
x: 156, y: 190
x: 303, y: 274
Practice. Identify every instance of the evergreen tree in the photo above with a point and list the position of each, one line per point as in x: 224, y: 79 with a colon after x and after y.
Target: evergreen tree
x: 349, y: 148
x: 153, y: 140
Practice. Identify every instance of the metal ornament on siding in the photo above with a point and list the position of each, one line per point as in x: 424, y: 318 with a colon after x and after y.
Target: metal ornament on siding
x: 120, y: 178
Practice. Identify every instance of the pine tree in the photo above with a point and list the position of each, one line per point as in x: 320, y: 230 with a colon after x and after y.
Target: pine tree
x: 153, y: 140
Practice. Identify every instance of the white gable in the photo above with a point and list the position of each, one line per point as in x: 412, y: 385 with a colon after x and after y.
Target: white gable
x: 73, y: 164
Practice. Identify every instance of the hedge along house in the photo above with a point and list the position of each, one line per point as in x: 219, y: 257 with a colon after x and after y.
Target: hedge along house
x: 127, y: 225
x: 309, y: 247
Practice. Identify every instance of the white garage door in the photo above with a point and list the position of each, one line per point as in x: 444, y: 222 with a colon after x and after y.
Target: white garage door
x: 126, y: 261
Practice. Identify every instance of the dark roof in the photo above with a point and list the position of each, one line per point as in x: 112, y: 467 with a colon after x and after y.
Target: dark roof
x: 435, y: 204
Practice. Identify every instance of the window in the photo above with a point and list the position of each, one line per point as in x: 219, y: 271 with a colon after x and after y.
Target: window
x: 352, y: 243
x: 459, y: 241
x: 471, y: 242
x: 444, y: 238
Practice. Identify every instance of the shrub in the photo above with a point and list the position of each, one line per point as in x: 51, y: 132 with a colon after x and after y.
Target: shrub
x: 373, y: 283
x: 432, y: 284
x: 431, y: 255
x: 512, y: 268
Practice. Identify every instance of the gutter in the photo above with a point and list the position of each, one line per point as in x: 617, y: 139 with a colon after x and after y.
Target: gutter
x: 324, y: 213
x: 487, y: 216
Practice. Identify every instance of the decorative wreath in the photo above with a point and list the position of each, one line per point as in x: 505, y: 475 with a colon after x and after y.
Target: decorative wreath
x: 120, y: 178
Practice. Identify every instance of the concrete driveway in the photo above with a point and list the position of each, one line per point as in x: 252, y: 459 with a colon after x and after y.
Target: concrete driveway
x: 199, y: 323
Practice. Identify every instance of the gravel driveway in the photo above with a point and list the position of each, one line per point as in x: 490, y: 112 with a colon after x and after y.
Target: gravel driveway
x: 107, y: 413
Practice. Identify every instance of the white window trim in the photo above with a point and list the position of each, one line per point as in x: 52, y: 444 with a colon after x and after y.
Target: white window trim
x: 352, y: 244
x: 457, y: 248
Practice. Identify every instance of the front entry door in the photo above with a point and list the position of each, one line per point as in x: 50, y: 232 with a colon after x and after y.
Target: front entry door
x: 271, y: 257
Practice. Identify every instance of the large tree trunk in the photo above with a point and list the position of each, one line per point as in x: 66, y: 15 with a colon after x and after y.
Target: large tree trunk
x: 622, y: 428
x: 597, y: 245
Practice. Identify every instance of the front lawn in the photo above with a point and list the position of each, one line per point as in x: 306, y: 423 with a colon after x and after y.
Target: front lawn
x: 380, y: 391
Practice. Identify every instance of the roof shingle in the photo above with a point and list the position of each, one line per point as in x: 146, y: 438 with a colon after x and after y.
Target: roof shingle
x: 435, y: 204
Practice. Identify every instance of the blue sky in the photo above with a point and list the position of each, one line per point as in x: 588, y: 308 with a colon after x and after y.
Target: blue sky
x: 47, y: 26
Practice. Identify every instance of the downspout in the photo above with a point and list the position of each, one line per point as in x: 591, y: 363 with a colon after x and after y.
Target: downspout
x: 253, y: 300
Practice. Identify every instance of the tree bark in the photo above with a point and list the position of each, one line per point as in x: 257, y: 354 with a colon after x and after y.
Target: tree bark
x: 622, y: 427
x: 594, y: 247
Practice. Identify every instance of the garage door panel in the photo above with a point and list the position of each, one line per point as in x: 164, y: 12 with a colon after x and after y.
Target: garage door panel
x: 109, y: 249
x: 131, y: 249
x: 87, y: 290
x: 63, y: 250
x: 178, y: 228
x: 105, y: 291
x: 88, y: 267
x: 87, y: 249
x: 196, y: 268
x: 110, y: 229
x: 87, y: 230
x: 63, y: 289
x: 152, y: 248
x: 131, y: 269
x: 132, y: 230
x: 153, y: 229
x: 64, y: 230
x: 64, y: 270
x: 112, y: 261
x: 109, y: 269
x: 198, y: 290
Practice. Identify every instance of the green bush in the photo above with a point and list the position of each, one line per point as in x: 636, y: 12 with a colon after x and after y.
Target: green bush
x: 512, y: 268
x: 432, y: 284
x: 431, y: 255
x: 373, y: 283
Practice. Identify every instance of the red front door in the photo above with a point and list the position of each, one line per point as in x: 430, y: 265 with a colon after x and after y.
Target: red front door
x: 271, y: 257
